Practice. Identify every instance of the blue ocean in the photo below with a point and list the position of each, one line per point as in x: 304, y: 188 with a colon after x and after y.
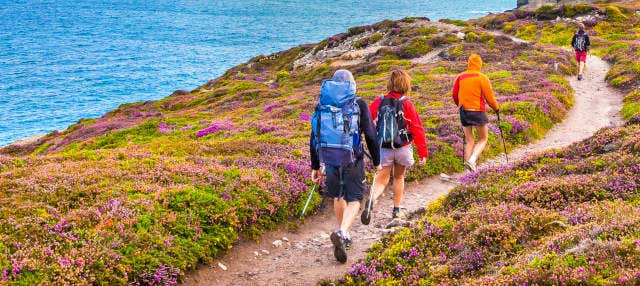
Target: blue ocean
x: 62, y: 60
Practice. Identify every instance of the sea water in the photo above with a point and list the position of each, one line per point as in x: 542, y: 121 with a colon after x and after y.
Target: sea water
x: 62, y: 60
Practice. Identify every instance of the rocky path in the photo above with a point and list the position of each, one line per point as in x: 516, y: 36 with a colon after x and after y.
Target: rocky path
x: 305, y: 256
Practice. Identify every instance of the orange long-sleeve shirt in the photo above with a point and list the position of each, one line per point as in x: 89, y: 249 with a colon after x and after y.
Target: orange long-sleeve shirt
x: 472, y: 89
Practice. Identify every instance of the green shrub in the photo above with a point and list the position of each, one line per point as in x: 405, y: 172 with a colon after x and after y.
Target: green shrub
x: 577, y: 9
x: 630, y: 110
x: 375, y: 38
x: 499, y: 74
x: 547, y: 12
x: 633, y: 96
x: 471, y: 37
x: 282, y: 75
x: 459, y: 23
x: 417, y: 47
x: 614, y: 14
x: 506, y: 87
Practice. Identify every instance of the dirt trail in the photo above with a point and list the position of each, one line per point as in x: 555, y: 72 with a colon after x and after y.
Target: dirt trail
x: 306, y: 255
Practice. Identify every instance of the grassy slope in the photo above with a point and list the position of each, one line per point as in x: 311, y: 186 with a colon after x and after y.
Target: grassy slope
x: 561, y: 217
x: 138, y: 196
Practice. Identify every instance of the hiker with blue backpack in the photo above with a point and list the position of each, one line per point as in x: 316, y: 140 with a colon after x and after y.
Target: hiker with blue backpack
x: 398, y: 126
x: 580, y: 43
x: 337, y: 124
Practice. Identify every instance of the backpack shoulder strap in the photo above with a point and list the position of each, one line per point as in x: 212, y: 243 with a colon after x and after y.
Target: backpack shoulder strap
x: 400, y: 102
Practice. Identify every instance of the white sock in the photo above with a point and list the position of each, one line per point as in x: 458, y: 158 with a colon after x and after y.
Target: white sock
x: 473, y: 158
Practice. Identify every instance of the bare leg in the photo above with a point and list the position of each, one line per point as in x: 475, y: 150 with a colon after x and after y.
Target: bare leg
x: 581, y: 69
x: 339, y: 205
x: 381, y: 181
x: 398, y: 184
x: 483, y: 135
x: 468, y: 142
x: 349, y: 214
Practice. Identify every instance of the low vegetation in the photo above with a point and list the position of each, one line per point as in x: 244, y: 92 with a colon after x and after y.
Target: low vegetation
x: 561, y: 217
x: 150, y: 190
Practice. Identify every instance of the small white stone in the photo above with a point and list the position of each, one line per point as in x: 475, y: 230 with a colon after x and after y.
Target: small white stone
x: 285, y: 239
x: 256, y: 253
x: 265, y: 251
x: 222, y: 266
x: 277, y: 243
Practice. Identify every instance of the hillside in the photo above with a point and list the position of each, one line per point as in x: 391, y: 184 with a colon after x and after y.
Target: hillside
x: 152, y: 189
x: 561, y: 217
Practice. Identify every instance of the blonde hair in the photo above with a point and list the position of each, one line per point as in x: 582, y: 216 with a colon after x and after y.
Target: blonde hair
x: 581, y: 26
x: 399, y: 82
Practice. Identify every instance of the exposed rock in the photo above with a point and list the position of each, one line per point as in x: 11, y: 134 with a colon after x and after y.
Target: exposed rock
x: 180, y: 92
x: 222, y: 266
x: 277, y: 243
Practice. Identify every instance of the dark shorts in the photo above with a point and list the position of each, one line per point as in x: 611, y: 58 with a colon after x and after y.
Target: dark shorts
x: 353, y: 179
x: 581, y: 56
x: 473, y: 118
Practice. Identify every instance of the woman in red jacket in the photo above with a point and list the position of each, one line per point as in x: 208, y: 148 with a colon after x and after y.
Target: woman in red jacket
x: 398, y: 125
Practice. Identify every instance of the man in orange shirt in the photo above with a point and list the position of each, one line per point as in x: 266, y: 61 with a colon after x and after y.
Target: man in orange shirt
x: 471, y: 91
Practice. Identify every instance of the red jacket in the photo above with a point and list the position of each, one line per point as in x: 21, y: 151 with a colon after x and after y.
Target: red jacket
x: 411, y: 119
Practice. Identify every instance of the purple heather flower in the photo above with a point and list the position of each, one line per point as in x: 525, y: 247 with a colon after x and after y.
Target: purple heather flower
x: 164, y: 128
x: 266, y: 129
x: 304, y: 116
x: 215, y: 127
x: 167, y: 241
x: 270, y: 107
x: 226, y: 196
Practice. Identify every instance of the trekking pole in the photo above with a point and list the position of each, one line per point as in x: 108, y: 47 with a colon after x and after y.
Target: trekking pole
x: 502, y: 136
x: 370, y: 201
x: 315, y: 186
x: 371, y: 194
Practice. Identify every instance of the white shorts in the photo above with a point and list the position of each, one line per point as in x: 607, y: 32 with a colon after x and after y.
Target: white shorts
x: 402, y: 156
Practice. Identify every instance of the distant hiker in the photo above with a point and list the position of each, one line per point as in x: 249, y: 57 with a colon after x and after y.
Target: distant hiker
x: 337, y: 124
x: 580, y: 44
x: 470, y: 92
x: 398, y: 125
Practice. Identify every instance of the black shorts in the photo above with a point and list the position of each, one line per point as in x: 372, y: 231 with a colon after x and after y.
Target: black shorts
x: 353, y: 182
x: 473, y: 118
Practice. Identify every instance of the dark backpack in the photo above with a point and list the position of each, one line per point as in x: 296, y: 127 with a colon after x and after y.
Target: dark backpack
x: 336, y: 124
x: 580, y: 42
x: 391, y: 126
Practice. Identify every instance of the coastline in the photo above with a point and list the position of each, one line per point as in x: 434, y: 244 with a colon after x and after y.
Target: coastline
x: 11, y: 138
x: 26, y: 141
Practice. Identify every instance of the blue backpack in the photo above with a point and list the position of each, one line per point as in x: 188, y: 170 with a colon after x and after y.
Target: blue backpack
x: 336, y: 124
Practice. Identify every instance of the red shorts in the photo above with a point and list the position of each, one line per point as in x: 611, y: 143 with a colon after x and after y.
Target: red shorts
x: 581, y: 56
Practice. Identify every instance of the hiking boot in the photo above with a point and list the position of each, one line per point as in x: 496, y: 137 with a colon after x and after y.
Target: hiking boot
x: 397, y: 213
x: 365, y: 217
x: 579, y: 76
x: 470, y: 166
x: 347, y: 243
x: 339, y: 247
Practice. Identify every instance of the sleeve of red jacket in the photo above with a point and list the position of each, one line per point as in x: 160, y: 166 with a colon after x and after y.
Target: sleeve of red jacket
x: 415, y: 128
x: 456, y: 89
x: 373, y: 108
